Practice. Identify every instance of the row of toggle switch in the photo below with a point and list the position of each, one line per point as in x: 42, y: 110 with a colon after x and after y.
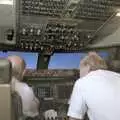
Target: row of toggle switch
x: 101, y: 9
x: 46, y: 7
x: 31, y: 31
x: 53, y: 36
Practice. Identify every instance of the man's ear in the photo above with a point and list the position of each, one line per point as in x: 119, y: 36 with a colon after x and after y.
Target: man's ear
x: 88, y: 68
x: 24, y: 72
x: 84, y: 70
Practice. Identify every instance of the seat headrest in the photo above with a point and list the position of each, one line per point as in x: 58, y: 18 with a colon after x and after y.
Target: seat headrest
x: 5, y: 71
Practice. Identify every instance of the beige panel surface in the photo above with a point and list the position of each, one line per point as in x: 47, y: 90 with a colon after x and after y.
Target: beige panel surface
x: 5, y: 102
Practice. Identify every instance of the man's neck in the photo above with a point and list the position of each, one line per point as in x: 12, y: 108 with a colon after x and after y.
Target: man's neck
x: 14, y: 79
x: 13, y: 82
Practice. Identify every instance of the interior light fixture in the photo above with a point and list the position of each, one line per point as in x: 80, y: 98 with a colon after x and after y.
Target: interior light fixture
x: 6, y: 2
x: 118, y: 14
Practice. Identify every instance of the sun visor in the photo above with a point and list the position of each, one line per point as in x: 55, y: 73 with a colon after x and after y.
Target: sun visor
x: 109, y: 35
x: 109, y: 41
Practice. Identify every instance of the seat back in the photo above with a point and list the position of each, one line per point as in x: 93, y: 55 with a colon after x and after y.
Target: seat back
x: 5, y: 102
x: 17, y: 105
x: 6, y: 112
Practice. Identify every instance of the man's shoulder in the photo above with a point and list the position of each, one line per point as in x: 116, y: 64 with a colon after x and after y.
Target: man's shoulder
x: 25, y: 86
x: 104, y: 73
x: 98, y: 75
x: 22, y: 85
x: 92, y: 76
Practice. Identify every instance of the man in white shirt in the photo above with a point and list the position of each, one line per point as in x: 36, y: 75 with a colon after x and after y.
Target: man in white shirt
x: 30, y: 103
x: 96, y: 92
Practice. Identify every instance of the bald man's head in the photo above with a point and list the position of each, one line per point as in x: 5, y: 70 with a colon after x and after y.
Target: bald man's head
x: 18, y: 66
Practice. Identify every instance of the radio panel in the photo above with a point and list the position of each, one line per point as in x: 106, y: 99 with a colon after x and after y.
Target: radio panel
x: 43, y: 92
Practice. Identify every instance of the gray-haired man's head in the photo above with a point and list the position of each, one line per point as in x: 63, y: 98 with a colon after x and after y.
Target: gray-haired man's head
x: 91, y: 62
x: 18, y: 66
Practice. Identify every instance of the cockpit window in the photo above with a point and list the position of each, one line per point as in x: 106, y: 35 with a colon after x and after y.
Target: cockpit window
x: 69, y: 60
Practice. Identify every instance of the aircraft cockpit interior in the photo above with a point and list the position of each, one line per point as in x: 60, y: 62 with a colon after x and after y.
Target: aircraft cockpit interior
x: 52, y: 36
